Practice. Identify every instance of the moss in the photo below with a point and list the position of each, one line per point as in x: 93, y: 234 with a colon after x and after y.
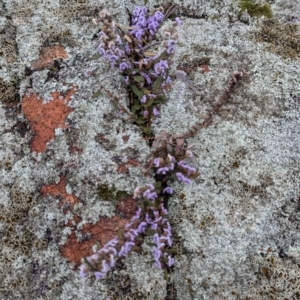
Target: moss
x: 256, y: 10
x: 111, y: 193
x: 281, y: 39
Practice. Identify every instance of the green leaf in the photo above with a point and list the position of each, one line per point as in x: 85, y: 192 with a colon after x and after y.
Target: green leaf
x: 136, y: 90
x: 158, y: 185
x: 96, y: 56
x: 95, y: 95
x: 150, y: 102
x: 148, y: 131
x: 157, y: 82
x: 135, y: 107
x: 138, y: 78
x: 115, y: 104
x: 171, y: 251
x: 150, y: 231
x: 151, y: 244
x: 159, y: 100
x: 163, y: 55
x: 130, y: 71
x: 140, y: 121
x: 145, y: 91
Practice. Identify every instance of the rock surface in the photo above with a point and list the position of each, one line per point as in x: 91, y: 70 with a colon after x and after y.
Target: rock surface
x: 69, y: 161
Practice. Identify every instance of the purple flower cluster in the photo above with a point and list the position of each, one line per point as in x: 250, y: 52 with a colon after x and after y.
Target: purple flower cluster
x: 142, y: 24
x: 145, y: 75
x: 162, y: 241
x: 105, y: 258
x: 148, y: 192
x: 142, y: 72
x: 184, y: 171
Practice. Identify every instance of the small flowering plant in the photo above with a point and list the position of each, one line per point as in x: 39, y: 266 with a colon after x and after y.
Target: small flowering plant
x: 146, y: 72
x: 150, y: 219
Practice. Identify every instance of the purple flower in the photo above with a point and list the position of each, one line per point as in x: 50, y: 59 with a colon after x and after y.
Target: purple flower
x: 127, y: 49
x: 188, y: 153
x: 124, y: 66
x: 169, y: 80
x: 164, y: 210
x: 158, y: 264
x: 136, y: 12
x: 88, y: 73
x: 152, y: 26
x: 169, y: 240
x: 148, y: 79
x: 137, y: 215
x: 99, y: 275
x: 112, y: 57
x: 119, y: 52
x: 151, y: 186
x: 112, y: 243
x: 112, y: 261
x: 162, y: 170
x: 102, y: 51
x: 158, y: 16
x: 138, y: 33
x: 105, y: 266
x: 182, y: 163
x: 168, y: 190
x: 155, y: 111
x: 137, y: 192
x: 142, y: 227
x: 191, y: 170
x: 122, y: 252
x: 156, y: 162
x: 156, y: 253
x: 156, y: 239
x: 146, y: 113
x: 144, y: 99
x: 171, y: 50
x: 83, y: 270
x: 150, y: 196
x: 178, y: 21
x: 170, y: 261
x: 126, y: 79
x: 182, y: 178
x: 128, y: 246
x: 141, y: 21
x: 160, y: 67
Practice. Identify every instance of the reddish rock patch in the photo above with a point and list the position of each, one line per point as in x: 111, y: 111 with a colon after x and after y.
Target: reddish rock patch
x: 47, y: 57
x: 204, y: 68
x: 59, y: 189
x: 99, y: 233
x: 45, y: 118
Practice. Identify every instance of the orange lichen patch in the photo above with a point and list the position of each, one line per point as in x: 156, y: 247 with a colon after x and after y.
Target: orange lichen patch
x: 45, y: 118
x: 127, y: 207
x: 133, y: 162
x: 60, y: 190
x: 125, y: 138
x: 72, y: 222
x: 122, y: 168
x: 204, y: 68
x: 73, y: 149
x: 47, y: 57
x: 99, y: 233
